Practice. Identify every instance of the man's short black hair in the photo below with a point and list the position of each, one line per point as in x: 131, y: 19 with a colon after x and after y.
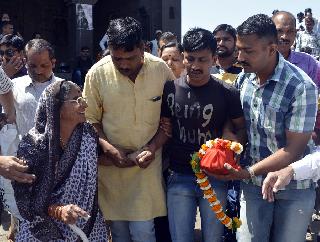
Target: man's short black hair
x: 167, y: 37
x: 149, y: 44
x: 13, y: 40
x: 124, y: 33
x: 199, y: 39
x: 40, y: 45
x: 84, y: 48
x: 300, y: 15
x: 308, y: 10
x: 157, y: 34
x: 172, y: 44
x: 227, y: 28
x: 260, y: 25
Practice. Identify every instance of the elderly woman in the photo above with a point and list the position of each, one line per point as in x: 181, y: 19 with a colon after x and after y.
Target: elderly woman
x: 61, y: 150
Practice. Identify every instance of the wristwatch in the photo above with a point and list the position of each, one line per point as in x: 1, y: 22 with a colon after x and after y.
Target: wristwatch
x: 251, y: 172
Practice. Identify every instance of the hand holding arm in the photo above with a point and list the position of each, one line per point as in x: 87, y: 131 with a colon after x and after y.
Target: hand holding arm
x: 118, y: 156
x: 147, y: 154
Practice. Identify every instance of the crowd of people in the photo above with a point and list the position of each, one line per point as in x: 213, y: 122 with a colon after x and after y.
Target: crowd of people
x: 106, y: 155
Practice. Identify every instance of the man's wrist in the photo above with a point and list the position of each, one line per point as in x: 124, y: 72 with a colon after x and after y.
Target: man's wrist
x: 251, y: 174
x: 107, y: 147
x: 151, y: 147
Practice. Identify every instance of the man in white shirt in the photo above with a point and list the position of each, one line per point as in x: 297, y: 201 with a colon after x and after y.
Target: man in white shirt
x: 27, y: 89
x: 103, y: 42
x: 11, y: 167
x: 306, y: 168
x: 154, y: 42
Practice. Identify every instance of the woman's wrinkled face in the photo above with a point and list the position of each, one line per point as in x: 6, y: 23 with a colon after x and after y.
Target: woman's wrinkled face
x: 73, y: 107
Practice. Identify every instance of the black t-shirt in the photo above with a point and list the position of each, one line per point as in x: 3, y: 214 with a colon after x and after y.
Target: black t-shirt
x: 198, y: 114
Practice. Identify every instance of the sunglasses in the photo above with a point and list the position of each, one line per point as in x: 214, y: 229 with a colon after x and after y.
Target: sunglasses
x: 7, y: 52
x: 78, y: 100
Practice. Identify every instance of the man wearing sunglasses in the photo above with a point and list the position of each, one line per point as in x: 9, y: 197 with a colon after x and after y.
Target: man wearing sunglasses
x: 12, y: 56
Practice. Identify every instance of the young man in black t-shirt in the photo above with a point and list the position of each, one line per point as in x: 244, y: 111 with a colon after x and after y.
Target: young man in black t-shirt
x: 198, y: 107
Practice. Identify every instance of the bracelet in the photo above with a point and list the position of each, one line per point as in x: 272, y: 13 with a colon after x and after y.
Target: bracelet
x: 55, y: 211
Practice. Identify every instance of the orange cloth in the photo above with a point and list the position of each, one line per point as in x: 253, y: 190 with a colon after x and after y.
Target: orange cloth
x: 215, y: 158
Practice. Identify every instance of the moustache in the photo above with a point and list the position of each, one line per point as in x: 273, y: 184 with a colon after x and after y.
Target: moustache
x: 124, y: 70
x: 284, y: 41
x: 196, y: 72
x: 221, y: 47
x: 243, y: 63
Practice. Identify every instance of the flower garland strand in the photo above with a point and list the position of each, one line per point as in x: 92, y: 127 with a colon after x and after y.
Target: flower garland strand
x: 205, y: 186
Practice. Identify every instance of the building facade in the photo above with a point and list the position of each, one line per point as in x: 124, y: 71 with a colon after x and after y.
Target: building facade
x: 70, y: 24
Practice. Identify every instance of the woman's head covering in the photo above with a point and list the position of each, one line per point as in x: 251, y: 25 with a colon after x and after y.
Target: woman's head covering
x: 40, y: 148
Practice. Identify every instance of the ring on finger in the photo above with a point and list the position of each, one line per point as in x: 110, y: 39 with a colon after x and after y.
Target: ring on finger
x: 77, y: 210
x: 69, y: 210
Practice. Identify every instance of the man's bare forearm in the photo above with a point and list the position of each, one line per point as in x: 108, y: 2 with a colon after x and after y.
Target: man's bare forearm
x: 158, y: 140
x: 296, y: 144
x: 280, y: 159
x: 105, y: 145
x: 7, y: 101
x: 235, y: 130
x: 242, y: 136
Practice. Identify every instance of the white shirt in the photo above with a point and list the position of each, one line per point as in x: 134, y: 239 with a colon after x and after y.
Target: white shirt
x: 154, y: 50
x: 5, y: 82
x: 26, y: 96
x: 103, y: 41
x: 308, y: 167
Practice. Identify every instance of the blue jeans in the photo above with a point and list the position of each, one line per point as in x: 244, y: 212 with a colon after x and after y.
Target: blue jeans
x: 285, y: 219
x: 183, y: 197
x: 133, y: 231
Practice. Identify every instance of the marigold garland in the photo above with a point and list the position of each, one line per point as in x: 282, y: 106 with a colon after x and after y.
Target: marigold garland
x: 205, y: 186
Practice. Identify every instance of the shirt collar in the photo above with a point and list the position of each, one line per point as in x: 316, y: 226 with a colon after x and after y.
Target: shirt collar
x: 275, y: 76
x: 278, y: 70
x: 144, y: 64
x: 30, y: 83
x: 294, y: 58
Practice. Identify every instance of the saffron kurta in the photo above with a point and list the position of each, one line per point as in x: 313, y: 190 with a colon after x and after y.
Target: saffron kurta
x: 130, y: 114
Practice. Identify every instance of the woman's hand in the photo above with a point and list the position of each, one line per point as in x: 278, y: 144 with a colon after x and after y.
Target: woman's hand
x: 70, y: 213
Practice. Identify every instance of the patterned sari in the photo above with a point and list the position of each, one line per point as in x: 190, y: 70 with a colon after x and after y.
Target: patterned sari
x: 64, y: 177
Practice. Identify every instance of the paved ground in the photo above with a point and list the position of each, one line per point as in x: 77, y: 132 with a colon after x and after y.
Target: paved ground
x: 5, y: 221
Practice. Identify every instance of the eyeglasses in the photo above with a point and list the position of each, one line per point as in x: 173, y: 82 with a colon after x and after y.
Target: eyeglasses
x: 7, y: 52
x: 78, y: 100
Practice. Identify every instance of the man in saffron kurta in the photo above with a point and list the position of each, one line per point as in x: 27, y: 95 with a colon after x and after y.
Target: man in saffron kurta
x: 124, y: 92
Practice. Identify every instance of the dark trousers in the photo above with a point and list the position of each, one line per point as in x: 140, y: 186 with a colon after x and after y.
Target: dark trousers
x: 232, y: 208
x: 161, y: 224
